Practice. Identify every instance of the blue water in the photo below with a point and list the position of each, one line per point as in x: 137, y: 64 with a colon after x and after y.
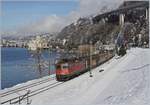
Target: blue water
x: 18, y: 66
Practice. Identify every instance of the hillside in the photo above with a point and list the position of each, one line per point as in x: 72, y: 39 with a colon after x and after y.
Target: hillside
x: 85, y: 29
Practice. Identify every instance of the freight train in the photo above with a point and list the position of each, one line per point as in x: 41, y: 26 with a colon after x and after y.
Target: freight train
x: 68, y: 68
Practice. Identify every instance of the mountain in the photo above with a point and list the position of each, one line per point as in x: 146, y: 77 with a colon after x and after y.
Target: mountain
x: 85, y: 30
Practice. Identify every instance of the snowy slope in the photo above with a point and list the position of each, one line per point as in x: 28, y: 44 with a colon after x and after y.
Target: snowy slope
x: 124, y: 81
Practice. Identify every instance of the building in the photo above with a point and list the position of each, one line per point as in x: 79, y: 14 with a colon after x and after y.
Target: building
x: 38, y: 42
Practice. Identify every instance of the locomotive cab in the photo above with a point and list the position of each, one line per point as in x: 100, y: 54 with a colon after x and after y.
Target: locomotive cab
x: 62, y: 71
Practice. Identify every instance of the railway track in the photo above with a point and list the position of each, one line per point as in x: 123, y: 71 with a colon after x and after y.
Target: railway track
x: 18, y: 99
x: 26, y: 87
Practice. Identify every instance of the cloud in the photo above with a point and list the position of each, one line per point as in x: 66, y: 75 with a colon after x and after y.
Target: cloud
x: 51, y: 23
x: 88, y: 7
x: 55, y: 23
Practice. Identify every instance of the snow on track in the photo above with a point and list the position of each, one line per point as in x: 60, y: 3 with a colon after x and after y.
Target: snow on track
x: 124, y: 81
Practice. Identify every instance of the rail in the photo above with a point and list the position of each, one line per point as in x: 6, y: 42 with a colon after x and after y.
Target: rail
x: 25, y: 87
x: 32, y: 93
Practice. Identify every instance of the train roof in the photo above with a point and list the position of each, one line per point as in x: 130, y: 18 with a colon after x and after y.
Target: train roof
x: 70, y: 57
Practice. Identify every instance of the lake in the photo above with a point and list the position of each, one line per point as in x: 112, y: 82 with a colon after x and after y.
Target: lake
x: 18, y: 66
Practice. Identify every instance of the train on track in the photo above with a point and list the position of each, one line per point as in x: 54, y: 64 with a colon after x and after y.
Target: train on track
x: 68, y: 68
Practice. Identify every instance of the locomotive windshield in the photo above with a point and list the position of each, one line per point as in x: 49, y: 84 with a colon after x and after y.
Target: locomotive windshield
x: 64, y: 66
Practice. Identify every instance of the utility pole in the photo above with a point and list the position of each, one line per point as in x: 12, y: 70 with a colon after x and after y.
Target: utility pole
x: 90, y: 59
x: 38, y: 53
x: 49, y: 71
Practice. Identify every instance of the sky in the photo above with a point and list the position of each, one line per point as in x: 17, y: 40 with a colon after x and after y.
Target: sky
x: 17, y: 14
x: 26, y: 16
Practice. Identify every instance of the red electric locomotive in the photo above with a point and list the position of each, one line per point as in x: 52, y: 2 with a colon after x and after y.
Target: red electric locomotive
x: 68, y: 68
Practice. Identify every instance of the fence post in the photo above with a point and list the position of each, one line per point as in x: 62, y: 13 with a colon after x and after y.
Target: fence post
x: 28, y: 97
x: 19, y: 100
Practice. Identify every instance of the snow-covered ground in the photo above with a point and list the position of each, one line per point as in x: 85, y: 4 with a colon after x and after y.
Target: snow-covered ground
x: 124, y: 81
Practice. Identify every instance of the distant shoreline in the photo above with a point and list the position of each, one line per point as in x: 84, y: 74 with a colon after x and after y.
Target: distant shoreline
x: 11, y: 47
